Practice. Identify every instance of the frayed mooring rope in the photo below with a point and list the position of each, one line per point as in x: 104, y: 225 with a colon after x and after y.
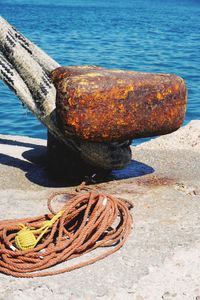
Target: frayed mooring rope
x: 87, y: 221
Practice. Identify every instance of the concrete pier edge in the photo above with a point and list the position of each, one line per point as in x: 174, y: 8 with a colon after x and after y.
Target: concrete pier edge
x: 160, y: 260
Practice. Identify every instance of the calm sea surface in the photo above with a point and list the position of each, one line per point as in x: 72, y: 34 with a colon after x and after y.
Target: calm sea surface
x: 146, y: 35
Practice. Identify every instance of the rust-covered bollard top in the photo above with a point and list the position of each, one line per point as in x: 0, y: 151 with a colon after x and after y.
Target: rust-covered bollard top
x: 98, y: 104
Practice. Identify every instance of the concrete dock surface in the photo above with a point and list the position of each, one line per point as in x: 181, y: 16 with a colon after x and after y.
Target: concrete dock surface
x: 161, y: 258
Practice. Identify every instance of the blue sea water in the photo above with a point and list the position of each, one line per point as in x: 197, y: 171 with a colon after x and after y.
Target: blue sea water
x: 147, y: 35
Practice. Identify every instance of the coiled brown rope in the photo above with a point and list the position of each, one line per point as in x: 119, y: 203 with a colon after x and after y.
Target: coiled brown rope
x: 90, y: 220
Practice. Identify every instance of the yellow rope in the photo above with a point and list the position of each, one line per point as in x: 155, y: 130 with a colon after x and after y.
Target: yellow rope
x: 28, y: 237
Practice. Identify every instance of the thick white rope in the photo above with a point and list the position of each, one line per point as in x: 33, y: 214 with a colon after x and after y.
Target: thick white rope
x: 25, y: 69
x: 34, y: 76
x: 16, y: 83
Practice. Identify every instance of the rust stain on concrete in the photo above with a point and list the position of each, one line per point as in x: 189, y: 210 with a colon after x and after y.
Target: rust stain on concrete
x: 155, y: 181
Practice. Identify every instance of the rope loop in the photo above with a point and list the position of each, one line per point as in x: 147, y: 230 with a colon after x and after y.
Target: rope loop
x: 87, y: 221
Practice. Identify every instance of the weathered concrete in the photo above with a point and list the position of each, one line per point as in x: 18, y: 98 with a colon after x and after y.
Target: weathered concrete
x: 160, y: 260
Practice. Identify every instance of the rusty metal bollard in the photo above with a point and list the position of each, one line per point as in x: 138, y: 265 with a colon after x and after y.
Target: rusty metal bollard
x: 98, y: 104
x: 102, y: 110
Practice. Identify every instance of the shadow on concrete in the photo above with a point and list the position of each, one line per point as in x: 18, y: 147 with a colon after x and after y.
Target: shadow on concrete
x: 36, y: 170
x: 18, y: 143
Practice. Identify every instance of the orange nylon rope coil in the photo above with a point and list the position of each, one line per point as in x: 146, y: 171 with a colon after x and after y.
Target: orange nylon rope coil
x: 89, y: 220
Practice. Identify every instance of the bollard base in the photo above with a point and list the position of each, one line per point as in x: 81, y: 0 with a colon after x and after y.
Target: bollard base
x: 63, y: 163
